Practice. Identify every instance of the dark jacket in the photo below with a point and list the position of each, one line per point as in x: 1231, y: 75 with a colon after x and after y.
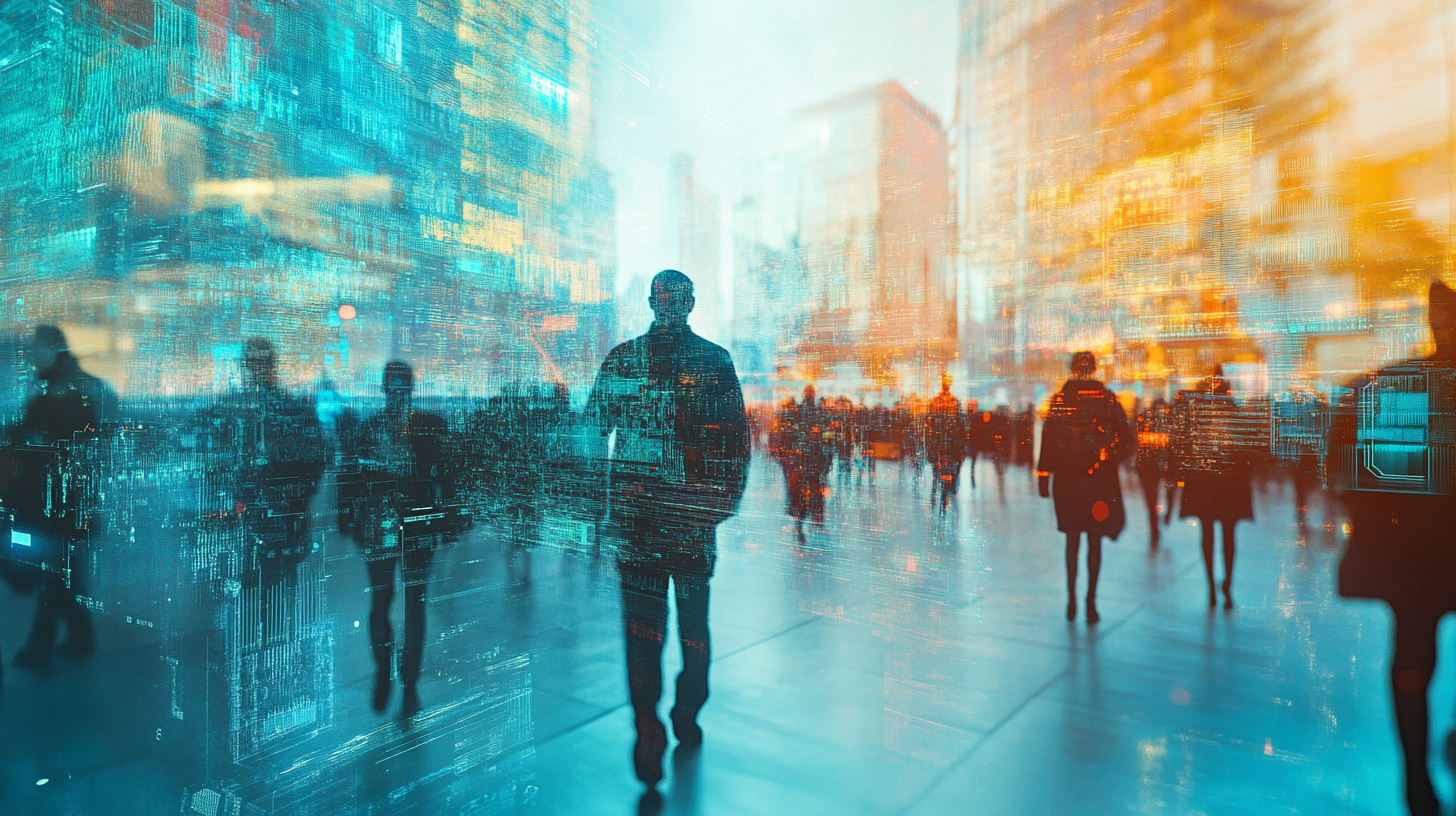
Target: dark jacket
x: 682, y: 444
x: 1226, y: 496
x: 1402, y: 546
x: 397, y: 471
x: 33, y: 470
x: 1085, y: 436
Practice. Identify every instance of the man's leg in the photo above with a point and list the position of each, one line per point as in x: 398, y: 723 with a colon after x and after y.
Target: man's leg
x: 1150, y: 481
x: 644, y: 616
x: 35, y: 653
x: 417, y: 557
x: 692, y: 682
x: 1410, y: 676
x: 80, y: 638
x: 381, y: 634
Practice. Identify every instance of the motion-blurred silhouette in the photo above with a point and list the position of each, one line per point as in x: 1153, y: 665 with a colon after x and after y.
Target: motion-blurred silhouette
x: 398, y: 495
x: 670, y: 406
x: 1225, y: 494
x: 805, y: 453
x: 1085, y: 435
x: 1154, y: 427
x: 1400, y: 549
x: 945, y: 441
x: 65, y: 401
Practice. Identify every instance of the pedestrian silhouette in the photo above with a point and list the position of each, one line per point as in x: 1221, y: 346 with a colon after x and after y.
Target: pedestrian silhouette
x: 670, y: 406
x: 65, y: 401
x: 806, y: 455
x: 277, y: 453
x: 1223, y: 494
x: 1085, y: 435
x: 399, y: 494
x: 1399, y: 549
x: 945, y: 441
x: 1154, y: 426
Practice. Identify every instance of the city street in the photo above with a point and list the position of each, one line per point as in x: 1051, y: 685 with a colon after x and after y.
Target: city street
x: 894, y: 661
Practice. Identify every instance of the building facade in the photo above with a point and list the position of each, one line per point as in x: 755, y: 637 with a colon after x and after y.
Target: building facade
x: 843, y: 247
x: 353, y: 180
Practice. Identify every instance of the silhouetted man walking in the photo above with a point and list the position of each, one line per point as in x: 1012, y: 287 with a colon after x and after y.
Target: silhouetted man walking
x: 65, y: 401
x: 670, y: 405
x: 1401, y: 545
x: 402, y: 478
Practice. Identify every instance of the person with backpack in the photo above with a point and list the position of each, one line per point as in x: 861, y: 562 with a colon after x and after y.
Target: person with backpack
x: 1084, y: 437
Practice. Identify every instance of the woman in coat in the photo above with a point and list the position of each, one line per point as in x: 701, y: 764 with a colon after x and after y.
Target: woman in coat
x: 1226, y: 497
x: 1085, y: 435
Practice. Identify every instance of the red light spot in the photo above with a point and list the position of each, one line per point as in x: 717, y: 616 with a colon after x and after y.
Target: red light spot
x: 238, y: 508
x: 346, y: 312
x: 1101, y: 511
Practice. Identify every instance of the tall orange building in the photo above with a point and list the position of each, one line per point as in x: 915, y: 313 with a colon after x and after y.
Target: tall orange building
x: 859, y: 199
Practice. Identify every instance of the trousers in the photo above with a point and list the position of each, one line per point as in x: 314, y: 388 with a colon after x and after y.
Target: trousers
x: 414, y: 564
x: 644, y: 616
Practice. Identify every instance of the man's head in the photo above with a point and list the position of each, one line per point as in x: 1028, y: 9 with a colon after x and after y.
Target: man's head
x: 671, y: 298
x: 1084, y: 363
x: 399, y: 386
x: 1442, y: 315
x: 260, y: 363
x: 45, y: 347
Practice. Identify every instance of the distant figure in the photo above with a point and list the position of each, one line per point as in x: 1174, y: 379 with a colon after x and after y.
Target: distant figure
x: 671, y: 403
x: 64, y: 401
x: 55, y: 364
x: 1401, y: 551
x: 1085, y: 435
x: 1153, y: 428
x: 945, y: 440
x: 402, y: 475
x: 282, y: 455
x: 1023, y: 437
x: 807, y: 457
x: 1226, y: 497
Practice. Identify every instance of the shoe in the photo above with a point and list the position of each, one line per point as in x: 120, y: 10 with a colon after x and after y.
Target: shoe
x: 647, y: 753
x: 1092, y: 616
x: 381, y: 691
x: 1228, y: 598
x: 687, y: 730
x: 31, y: 659
x: 77, y: 648
x: 409, y: 703
x: 1212, y: 599
x: 1071, y: 609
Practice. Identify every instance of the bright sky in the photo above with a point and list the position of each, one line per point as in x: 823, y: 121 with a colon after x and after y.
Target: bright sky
x: 718, y: 78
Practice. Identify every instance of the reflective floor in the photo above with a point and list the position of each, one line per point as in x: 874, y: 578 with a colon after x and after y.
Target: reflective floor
x: 895, y: 661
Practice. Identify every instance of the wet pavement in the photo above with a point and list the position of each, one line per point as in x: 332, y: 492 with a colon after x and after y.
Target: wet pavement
x: 896, y: 660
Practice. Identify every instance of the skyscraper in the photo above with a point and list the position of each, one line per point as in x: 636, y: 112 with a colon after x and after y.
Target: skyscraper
x: 858, y: 197
x: 200, y: 172
x: 692, y: 217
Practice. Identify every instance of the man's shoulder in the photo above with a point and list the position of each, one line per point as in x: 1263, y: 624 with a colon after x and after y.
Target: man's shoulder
x: 708, y: 351
x: 427, y: 422
x: 626, y: 350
